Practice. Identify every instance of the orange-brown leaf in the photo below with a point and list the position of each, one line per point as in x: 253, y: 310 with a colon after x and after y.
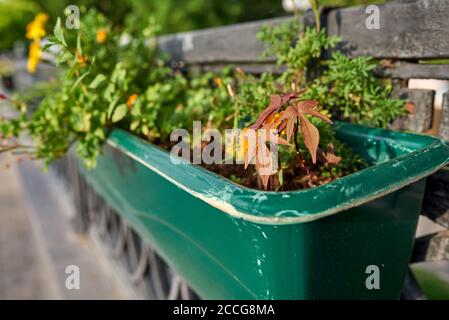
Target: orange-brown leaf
x: 264, y: 164
x: 289, y: 115
x: 308, y: 107
x: 330, y: 155
x: 275, y: 105
x: 310, y: 136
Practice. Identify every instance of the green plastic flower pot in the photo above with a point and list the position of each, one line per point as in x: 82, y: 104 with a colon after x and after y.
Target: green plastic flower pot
x: 232, y: 242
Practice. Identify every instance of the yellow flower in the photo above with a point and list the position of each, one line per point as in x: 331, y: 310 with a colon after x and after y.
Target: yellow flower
x: 35, y: 32
x: 218, y: 82
x: 36, y: 28
x: 80, y: 58
x: 102, y: 35
x: 34, y: 56
x: 132, y: 98
x: 242, y: 145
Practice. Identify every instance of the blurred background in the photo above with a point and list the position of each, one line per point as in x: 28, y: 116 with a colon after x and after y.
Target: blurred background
x: 172, y: 15
x: 37, y: 242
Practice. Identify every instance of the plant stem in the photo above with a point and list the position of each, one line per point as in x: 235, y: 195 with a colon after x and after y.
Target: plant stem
x: 295, y: 134
x: 314, y: 4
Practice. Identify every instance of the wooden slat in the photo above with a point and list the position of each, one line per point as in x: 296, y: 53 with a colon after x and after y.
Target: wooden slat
x: 235, y: 43
x: 407, y: 70
x: 444, y: 125
x: 434, y: 247
x: 421, y: 119
x: 408, y: 30
x: 253, y: 68
x: 436, y: 198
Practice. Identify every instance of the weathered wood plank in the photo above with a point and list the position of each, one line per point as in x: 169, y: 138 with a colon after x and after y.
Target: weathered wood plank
x: 235, y: 43
x: 444, y: 125
x: 436, y: 198
x: 433, y: 247
x: 407, y: 70
x: 408, y: 30
x: 421, y: 118
x: 252, y: 68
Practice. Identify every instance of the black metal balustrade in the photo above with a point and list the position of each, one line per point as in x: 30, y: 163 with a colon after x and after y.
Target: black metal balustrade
x: 147, y: 272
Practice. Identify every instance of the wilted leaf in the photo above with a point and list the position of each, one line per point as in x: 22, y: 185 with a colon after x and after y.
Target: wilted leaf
x: 329, y: 156
x: 275, y: 105
x: 308, y: 106
x: 276, y: 102
x: 310, y: 136
x: 309, y: 132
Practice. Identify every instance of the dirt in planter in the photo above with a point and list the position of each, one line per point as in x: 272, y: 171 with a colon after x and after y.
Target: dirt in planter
x: 295, y: 177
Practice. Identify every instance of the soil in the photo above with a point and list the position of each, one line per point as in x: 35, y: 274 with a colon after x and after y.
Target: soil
x: 296, y: 177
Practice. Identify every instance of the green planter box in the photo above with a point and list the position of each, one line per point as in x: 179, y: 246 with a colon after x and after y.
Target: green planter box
x: 232, y: 242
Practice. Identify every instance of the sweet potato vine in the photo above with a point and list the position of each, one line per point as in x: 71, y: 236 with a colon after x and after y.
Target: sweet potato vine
x: 286, y: 115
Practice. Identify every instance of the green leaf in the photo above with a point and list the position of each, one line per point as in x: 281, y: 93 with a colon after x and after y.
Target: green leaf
x: 119, y: 113
x: 112, y: 104
x: 99, y: 132
x: 59, y: 34
x: 48, y: 46
x: 78, y: 44
x: 99, y: 79
x: 108, y: 92
x: 134, y: 125
x: 64, y: 57
x: 281, y: 177
x: 78, y: 81
x: 145, y: 130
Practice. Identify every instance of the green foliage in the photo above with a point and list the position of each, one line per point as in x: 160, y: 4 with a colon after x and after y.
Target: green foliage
x: 14, y: 16
x: 173, y: 15
x: 349, y: 90
x: 94, y: 85
x: 180, y: 15
x: 113, y: 76
x: 345, y: 87
x: 297, y: 48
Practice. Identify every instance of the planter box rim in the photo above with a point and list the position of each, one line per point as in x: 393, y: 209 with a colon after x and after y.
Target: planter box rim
x: 425, y: 155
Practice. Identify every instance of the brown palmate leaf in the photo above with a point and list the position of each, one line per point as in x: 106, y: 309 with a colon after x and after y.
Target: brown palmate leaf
x: 249, y: 139
x: 308, y: 107
x: 329, y: 156
x: 286, y: 97
x: 309, y: 132
x: 255, y: 147
x: 289, y: 116
x: 264, y: 164
x: 276, y: 102
x: 275, y: 105
x: 310, y: 136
